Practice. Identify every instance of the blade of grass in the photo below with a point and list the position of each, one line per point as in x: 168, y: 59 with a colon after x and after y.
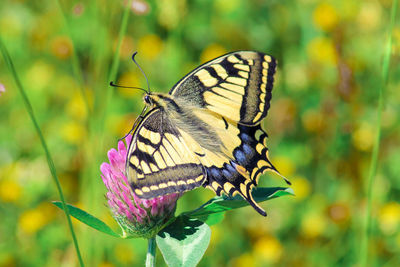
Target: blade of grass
x: 115, y: 63
x: 29, y: 109
x: 75, y: 60
x: 375, y: 151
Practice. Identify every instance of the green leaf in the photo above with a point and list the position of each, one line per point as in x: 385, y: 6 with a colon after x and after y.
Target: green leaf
x: 184, y: 242
x: 213, y: 218
x: 224, y: 203
x: 88, y: 219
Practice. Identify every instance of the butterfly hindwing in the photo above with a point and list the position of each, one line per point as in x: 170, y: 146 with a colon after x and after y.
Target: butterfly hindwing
x: 240, y: 174
x: 237, y: 86
x: 159, y: 162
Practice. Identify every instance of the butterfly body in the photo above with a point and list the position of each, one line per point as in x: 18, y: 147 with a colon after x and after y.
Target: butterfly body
x: 186, y: 117
x: 206, y: 131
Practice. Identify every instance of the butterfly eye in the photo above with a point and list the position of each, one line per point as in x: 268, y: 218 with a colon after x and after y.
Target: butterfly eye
x: 147, y: 99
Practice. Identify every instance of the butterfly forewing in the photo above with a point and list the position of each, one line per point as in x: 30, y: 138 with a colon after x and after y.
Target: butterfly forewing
x: 159, y: 162
x: 237, y: 86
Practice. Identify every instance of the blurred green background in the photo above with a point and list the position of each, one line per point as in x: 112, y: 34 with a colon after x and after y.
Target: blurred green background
x: 322, y: 124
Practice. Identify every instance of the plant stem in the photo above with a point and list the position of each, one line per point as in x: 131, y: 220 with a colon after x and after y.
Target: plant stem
x: 151, y: 253
x: 50, y: 162
x: 375, y: 151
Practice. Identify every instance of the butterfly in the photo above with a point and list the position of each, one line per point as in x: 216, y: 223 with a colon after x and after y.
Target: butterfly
x: 206, y: 131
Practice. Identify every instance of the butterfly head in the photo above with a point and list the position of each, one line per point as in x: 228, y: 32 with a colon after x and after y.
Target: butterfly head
x: 148, y: 99
x: 154, y: 100
x: 158, y: 100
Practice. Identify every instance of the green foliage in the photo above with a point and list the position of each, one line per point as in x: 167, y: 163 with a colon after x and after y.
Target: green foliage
x: 184, y: 242
x: 225, y: 203
x: 87, y: 219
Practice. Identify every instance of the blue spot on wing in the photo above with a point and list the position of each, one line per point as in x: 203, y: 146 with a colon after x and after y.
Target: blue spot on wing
x: 230, y: 168
x: 247, y: 149
x: 226, y: 173
x: 245, y: 137
x: 215, y: 172
x: 240, y: 156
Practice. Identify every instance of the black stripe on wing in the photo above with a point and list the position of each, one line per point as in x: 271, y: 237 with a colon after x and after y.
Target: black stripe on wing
x: 179, y: 178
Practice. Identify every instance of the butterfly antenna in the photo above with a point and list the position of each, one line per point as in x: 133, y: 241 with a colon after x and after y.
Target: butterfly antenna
x: 130, y: 87
x: 147, y: 81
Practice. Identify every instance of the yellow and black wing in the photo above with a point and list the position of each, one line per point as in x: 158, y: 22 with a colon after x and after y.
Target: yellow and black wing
x: 227, y: 97
x: 159, y: 162
x: 239, y: 157
x: 237, y: 86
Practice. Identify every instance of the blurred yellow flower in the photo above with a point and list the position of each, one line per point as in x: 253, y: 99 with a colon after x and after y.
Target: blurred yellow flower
x: 269, y: 249
x: 301, y: 187
x: 39, y: 75
x: 348, y: 10
x: 129, y: 79
x: 284, y: 165
x: 106, y: 264
x: 63, y: 86
x: 11, y: 23
x: 120, y: 253
x: 313, y: 121
x: 76, y: 107
x: 226, y: 6
x: 389, y: 218
x: 73, y: 132
x: 322, y: 50
x: 10, y: 190
x: 313, y: 225
x: 170, y: 12
x: 212, y: 51
x: 217, y: 231
x: 61, y: 47
x: 7, y: 260
x: 246, y: 259
x: 370, y: 16
x: 149, y: 46
x: 325, y: 16
x: 363, y: 137
x: 35, y: 219
x: 296, y: 76
x: 396, y: 41
x: 120, y: 125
